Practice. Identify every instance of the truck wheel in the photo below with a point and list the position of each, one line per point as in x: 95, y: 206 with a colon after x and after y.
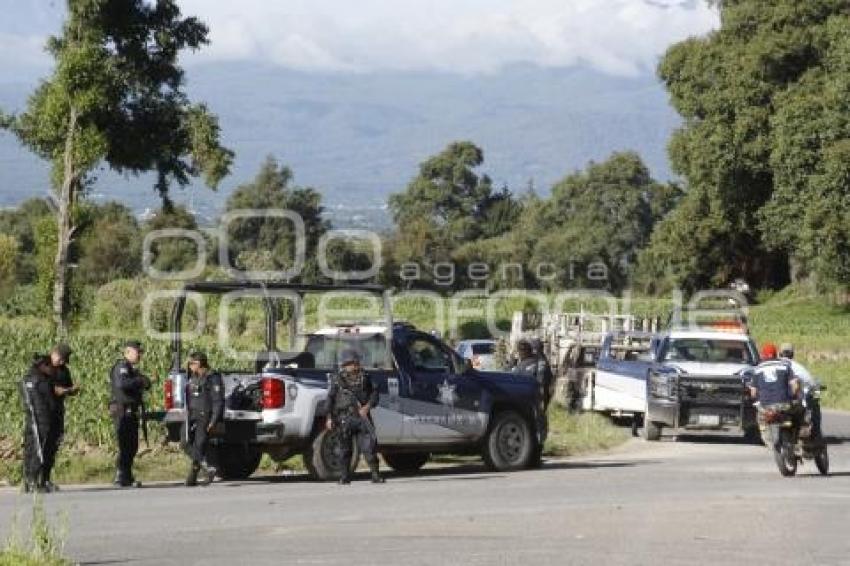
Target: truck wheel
x: 509, y: 444
x: 406, y: 463
x: 237, y: 461
x: 322, y: 456
x: 651, y: 431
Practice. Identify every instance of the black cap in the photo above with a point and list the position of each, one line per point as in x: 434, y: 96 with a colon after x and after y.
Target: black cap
x: 135, y: 344
x: 199, y: 357
x: 63, y: 349
x: 348, y: 356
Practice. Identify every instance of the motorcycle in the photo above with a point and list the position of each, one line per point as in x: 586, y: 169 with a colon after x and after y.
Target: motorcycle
x: 790, y: 435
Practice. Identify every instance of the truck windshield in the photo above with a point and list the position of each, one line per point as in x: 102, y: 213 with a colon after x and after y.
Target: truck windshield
x: 483, y: 348
x: 326, y: 348
x: 706, y: 350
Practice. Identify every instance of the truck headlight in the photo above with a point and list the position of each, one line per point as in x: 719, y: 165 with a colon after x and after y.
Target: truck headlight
x: 662, y: 384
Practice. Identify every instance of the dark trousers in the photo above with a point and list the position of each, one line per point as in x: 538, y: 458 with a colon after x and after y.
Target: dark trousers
x: 354, y: 429
x: 36, y: 470
x: 198, y: 439
x: 126, y: 426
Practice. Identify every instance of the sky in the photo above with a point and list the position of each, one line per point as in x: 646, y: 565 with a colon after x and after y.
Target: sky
x: 619, y: 37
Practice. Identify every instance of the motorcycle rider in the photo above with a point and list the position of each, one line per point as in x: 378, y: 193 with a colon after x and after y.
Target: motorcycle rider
x: 807, y: 381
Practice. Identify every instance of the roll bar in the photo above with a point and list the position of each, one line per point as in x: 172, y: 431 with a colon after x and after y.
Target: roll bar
x: 222, y: 287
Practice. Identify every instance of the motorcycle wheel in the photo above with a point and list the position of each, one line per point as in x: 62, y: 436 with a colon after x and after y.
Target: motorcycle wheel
x: 784, y: 456
x: 822, y: 461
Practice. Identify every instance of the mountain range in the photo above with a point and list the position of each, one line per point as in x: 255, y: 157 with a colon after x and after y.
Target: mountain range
x: 359, y: 137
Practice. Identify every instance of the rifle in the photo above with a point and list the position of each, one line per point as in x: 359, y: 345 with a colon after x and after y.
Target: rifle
x: 34, y: 425
x: 144, y: 416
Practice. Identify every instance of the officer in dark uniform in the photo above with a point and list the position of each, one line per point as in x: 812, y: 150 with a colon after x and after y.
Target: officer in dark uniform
x: 63, y: 385
x: 126, y: 408
x: 532, y: 361
x: 205, y: 394
x: 351, y: 397
x: 40, y: 417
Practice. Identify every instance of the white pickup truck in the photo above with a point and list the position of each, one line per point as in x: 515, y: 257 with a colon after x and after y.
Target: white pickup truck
x: 431, y: 400
x: 682, y: 379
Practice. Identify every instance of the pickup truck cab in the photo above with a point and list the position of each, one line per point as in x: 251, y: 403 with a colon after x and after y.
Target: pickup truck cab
x: 431, y: 401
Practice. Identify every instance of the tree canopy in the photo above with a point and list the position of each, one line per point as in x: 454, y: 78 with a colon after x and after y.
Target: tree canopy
x: 763, y: 147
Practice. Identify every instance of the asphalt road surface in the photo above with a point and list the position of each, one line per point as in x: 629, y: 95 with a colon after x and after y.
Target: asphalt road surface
x: 693, y: 501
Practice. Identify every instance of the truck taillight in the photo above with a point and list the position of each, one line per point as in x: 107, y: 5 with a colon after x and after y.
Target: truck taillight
x: 273, y: 393
x: 169, y: 394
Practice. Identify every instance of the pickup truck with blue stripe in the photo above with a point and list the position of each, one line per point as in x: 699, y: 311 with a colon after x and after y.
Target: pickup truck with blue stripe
x: 431, y: 400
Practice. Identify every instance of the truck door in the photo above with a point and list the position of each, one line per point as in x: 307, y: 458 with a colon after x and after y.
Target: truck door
x: 435, y: 393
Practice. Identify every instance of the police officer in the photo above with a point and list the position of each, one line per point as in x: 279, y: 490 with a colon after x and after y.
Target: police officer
x: 40, y: 417
x: 532, y: 361
x: 351, y: 397
x: 63, y: 385
x: 206, y: 409
x: 126, y: 408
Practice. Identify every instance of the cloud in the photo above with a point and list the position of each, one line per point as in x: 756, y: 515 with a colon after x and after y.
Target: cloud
x: 621, y: 37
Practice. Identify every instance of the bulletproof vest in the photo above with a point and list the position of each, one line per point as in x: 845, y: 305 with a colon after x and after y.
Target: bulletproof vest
x: 350, y: 393
x: 200, y: 394
x: 773, y: 381
x: 121, y: 371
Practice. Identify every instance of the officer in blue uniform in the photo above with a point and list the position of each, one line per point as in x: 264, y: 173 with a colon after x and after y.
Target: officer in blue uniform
x: 126, y: 407
x: 206, y: 409
x: 40, y: 418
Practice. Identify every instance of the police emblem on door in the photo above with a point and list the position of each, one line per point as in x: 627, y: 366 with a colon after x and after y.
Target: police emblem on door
x: 448, y: 393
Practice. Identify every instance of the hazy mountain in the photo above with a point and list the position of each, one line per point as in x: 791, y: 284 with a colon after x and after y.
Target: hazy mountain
x: 359, y: 137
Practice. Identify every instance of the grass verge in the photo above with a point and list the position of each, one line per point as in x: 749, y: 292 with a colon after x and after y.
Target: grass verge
x: 570, y: 435
x: 43, y: 547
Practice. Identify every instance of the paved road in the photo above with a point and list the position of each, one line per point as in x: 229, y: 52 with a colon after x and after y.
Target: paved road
x: 695, y: 501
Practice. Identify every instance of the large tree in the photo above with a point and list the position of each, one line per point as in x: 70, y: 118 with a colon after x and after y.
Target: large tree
x: 268, y: 244
x: 602, y: 215
x: 116, y: 97
x: 448, y: 204
x: 763, y: 147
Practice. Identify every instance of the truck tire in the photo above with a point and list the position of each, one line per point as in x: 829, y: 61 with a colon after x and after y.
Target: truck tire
x: 406, y: 463
x: 321, y: 458
x: 237, y: 461
x: 509, y: 444
x: 651, y: 431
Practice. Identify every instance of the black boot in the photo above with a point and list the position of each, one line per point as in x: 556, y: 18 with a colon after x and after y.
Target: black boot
x: 192, y: 478
x: 345, y: 478
x: 209, y: 472
x: 376, y: 476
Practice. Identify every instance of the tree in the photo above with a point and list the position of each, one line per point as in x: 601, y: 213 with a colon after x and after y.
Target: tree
x: 764, y: 101
x: 603, y: 215
x: 110, y: 244
x: 20, y: 223
x: 268, y: 244
x: 175, y: 253
x: 116, y: 97
x: 446, y: 206
x: 8, y: 264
